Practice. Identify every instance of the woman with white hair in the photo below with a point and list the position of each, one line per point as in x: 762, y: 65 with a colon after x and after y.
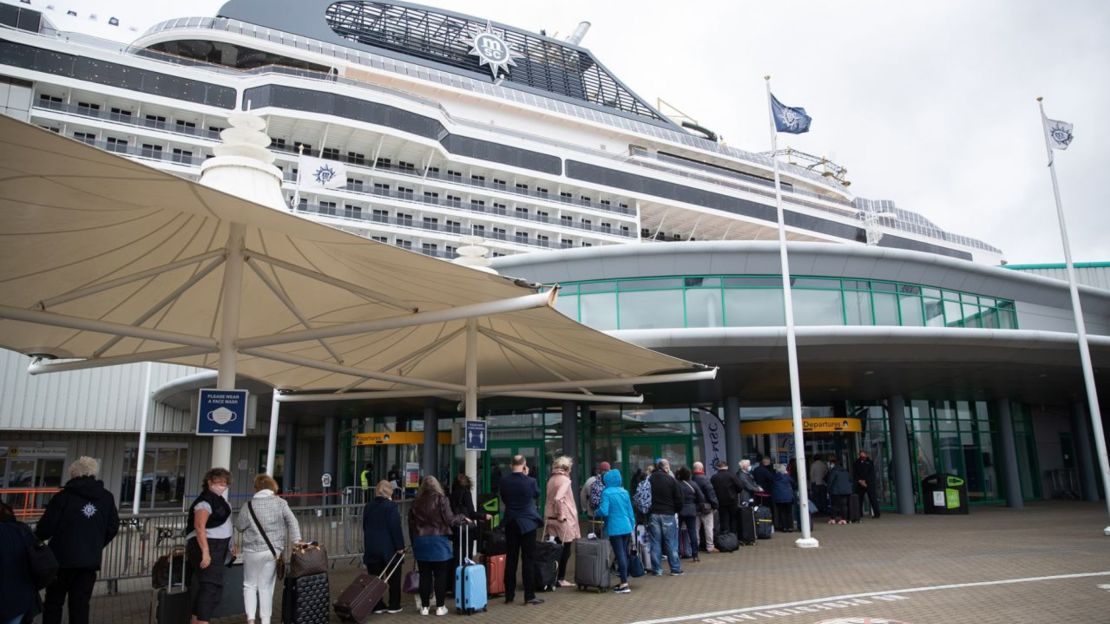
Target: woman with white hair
x: 79, y: 522
x: 562, y: 513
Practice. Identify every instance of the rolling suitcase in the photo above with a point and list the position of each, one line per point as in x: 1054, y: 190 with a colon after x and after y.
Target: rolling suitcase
x: 764, y: 522
x: 357, y: 602
x: 855, y: 509
x: 495, y: 573
x: 547, y: 565
x: 306, y: 599
x: 591, y: 563
x: 470, y: 585
x: 747, y: 525
x: 170, y: 604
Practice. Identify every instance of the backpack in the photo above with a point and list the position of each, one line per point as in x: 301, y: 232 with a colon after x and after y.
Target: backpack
x: 596, y: 488
x: 641, y: 500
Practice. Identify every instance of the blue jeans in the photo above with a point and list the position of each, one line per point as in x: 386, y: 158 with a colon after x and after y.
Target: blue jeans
x: 664, y: 530
x: 620, y: 549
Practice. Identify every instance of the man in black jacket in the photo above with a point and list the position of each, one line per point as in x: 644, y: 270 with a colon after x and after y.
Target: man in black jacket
x: 79, y: 522
x: 863, y: 474
x: 666, y: 503
x: 706, y: 518
x: 521, y: 519
x: 727, y: 487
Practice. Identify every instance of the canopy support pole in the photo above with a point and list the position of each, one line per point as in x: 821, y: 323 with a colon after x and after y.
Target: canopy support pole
x: 271, y: 450
x: 147, y: 399
x: 471, y: 467
x: 229, y: 331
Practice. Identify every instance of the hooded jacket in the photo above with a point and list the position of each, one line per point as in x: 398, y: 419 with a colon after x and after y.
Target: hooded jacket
x: 616, y: 506
x: 79, y: 522
x: 840, y: 483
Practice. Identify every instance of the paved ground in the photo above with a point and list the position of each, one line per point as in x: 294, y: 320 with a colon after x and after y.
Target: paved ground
x: 1046, y: 563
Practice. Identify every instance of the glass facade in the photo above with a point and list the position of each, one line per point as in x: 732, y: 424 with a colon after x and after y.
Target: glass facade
x: 958, y: 438
x: 756, y: 300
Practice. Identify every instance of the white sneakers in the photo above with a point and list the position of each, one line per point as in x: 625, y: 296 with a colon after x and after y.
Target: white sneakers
x: 423, y: 610
x: 441, y: 611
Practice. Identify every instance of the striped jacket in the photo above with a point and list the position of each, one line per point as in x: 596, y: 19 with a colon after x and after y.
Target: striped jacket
x: 276, y: 518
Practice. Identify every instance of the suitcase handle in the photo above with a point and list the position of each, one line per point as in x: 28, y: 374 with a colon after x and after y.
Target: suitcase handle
x: 394, y: 564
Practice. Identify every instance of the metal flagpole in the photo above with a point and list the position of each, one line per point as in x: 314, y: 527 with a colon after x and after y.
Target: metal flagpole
x: 139, y: 460
x: 470, y: 458
x: 806, y: 540
x: 1080, y: 326
x: 297, y: 180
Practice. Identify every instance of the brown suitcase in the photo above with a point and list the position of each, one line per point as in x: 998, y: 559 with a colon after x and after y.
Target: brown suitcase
x: 357, y: 602
x: 495, y: 573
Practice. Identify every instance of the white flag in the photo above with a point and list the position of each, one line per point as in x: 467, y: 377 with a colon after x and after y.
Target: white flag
x: 1058, y: 133
x: 320, y: 173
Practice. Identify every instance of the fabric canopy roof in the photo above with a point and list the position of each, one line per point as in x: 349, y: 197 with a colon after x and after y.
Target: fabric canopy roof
x: 105, y: 260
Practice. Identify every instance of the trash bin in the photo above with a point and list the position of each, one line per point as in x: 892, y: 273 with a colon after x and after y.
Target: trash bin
x: 944, y: 494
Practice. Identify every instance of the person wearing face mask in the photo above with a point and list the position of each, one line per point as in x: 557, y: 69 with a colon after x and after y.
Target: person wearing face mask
x: 208, y: 544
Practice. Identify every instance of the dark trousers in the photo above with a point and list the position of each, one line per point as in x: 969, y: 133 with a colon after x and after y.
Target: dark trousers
x: 839, y: 507
x: 394, y: 581
x: 784, y: 516
x: 620, y: 549
x: 821, y: 497
x: 522, y: 546
x: 76, y: 584
x: 729, y: 519
x: 872, y: 499
x: 432, y: 573
x: 564, y: 558
x: 206, y: 586
x: 688, y: 525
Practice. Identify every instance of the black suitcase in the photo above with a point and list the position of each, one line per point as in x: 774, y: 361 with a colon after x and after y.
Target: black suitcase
x: 171, y: 604
x: 747, y: 525
x: 764, y: 522
x: 306, y: 600
x: 855, y: 509
x: 547, y: 565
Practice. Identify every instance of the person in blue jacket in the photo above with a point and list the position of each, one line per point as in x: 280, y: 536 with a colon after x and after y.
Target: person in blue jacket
x: 620, y: 521
x: 381, y: 532
x: 782, y: 495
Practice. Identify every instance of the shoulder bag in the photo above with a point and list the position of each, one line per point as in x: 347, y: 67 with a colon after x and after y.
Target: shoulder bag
x: 279, y: 562
x: 306, y: 559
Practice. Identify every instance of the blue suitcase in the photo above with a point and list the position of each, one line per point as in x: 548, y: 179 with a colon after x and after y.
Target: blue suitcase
x: 470, y: 584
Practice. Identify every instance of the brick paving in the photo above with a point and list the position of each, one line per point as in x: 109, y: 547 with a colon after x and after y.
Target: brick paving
x: 887, y: 555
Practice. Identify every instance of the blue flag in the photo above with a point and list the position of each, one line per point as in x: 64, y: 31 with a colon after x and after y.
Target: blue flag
x: 793, y: 120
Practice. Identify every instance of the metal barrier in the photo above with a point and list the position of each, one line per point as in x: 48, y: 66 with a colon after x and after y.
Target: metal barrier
x: 27, y: 503
x: 143, y: 538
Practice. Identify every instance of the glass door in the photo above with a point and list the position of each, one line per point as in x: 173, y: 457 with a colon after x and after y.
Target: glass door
x: 495, y: 463
x: 643, y: 451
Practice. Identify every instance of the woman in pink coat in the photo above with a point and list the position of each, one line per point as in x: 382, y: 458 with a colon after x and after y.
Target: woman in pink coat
x: 562, y: 513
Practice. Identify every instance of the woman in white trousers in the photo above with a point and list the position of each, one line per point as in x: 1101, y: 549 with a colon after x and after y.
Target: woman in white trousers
x: 271, y: 516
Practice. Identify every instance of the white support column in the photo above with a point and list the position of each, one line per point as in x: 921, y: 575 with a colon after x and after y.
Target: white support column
x: 229, y: 331
x: 142, y: 443
x: 271, y: 450
x: 471, y: 413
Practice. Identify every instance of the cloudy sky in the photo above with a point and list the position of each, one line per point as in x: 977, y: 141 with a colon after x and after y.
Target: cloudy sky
x: 929, y: 104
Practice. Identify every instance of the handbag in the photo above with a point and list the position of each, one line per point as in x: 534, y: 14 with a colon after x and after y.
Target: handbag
x: 44, y: 565
x: 306, y: 559
x: 635, y: 563
x: 279, y: 562
x: 411, y: 583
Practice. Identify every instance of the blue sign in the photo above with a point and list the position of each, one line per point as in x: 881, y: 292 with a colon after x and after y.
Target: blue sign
x: 222, y: 412
x: 475, y: 435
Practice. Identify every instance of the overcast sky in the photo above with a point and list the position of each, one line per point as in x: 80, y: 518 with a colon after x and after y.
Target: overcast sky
x: 928, y: 104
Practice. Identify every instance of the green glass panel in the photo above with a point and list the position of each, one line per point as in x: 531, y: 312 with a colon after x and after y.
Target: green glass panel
x: 592, y: 287
x: 886, y: 308
x: 753, y: 282
x: 953, y: 313
x: 934, y: 313
x: 911, y: 310
x: 651, y: 284
x: 651, y: 309
x: 754, y: 308
x: 818, y: 307
x: 599, y: 310
x: 703, y: 308
x: 567, y: 304
x: 857, y: 307
x: 971, y: 316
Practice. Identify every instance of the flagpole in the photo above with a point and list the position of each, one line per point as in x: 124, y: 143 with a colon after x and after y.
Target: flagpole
x: 1080, y: 326
x: 806, y: 540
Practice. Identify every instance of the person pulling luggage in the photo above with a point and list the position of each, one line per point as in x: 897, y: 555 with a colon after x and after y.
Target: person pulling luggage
x: 620, y: 520
x: 382, y: 535
x: 430, y: 526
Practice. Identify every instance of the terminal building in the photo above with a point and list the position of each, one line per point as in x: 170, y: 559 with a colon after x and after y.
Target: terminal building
x: 652, y: 230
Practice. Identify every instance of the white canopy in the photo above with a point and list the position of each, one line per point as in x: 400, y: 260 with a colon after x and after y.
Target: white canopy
x: 105, y: 261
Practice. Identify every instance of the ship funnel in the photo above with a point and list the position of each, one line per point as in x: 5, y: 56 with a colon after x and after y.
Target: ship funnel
x: 243, y: 166
x: 576, y: 37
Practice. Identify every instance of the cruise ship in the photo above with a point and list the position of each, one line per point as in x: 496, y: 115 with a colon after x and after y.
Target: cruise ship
x: 447, y: 126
